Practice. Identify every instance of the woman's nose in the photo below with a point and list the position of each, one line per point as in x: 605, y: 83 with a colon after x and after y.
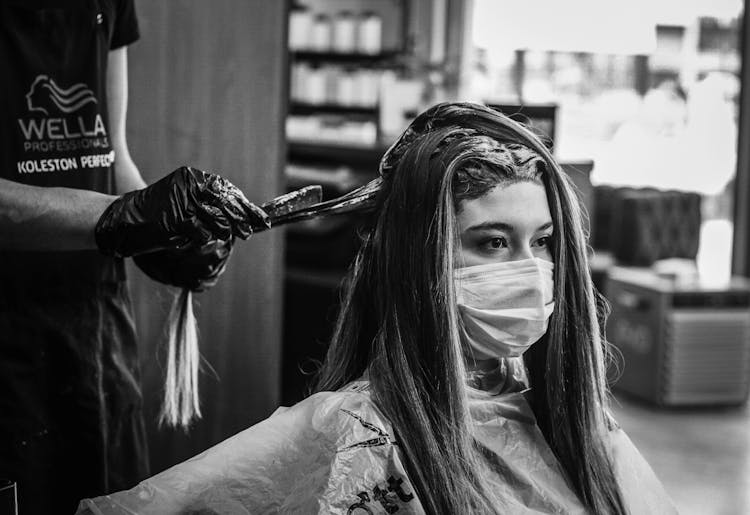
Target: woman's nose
x: 522, y: 252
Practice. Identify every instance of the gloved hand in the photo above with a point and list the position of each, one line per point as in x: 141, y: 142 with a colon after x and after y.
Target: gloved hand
x: 187, y: 208
x: 196, y: 269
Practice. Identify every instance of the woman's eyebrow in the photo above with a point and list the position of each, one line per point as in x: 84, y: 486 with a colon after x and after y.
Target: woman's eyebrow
x: 486, y: 226
x: 502, y: 226
x: 544, y: 227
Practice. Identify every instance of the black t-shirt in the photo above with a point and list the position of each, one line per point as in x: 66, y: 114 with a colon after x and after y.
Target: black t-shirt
x: 54, y: 124
x: 71, y: 424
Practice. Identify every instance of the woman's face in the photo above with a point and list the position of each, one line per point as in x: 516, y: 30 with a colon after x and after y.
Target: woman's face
x: 509, y: 223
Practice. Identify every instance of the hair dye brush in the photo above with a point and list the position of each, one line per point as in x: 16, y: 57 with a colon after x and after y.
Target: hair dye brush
x: 306, y: 203
x: 181, y: 404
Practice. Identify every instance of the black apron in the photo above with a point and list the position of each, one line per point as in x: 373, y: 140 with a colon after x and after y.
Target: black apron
x: 70, y: 402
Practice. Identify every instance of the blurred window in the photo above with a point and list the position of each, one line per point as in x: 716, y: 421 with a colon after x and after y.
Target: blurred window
x: 647, y: 89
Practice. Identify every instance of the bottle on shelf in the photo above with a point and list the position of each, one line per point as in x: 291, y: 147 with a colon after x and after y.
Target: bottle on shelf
x: 315, y: 86
x: 335, y: 85
x: 344, y: 39
x: 368, y: 87
x: 346, y: 94
x: 321, y: 34
x: 333, y: 129
x: 300, y: 28
x: 370, y: 33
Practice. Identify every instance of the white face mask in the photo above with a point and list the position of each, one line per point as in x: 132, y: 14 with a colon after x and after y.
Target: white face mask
x: 505, y: 307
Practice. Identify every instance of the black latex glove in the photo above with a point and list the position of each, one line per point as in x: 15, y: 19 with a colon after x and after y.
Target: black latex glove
x: 187, y: 208
x: 196, y: 269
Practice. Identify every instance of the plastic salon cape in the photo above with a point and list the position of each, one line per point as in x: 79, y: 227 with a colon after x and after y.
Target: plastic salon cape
x: 334, y: 452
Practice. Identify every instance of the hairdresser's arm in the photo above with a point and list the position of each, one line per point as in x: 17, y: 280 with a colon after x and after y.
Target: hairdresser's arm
x: 127, y: 176
x: 36, y: 218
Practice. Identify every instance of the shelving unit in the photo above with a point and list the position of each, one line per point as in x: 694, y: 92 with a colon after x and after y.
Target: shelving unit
x: 341, y: 91
x: 352, y: 58
x: 329, y: 88
x: 304, y: 108
x: 359, y: 156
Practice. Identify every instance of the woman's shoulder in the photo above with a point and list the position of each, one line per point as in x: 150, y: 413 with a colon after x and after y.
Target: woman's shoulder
x: 345, y: 416
x: 327, y: 406
x: 354, y: 392
x: 642, y: 491
x: 332, y: 451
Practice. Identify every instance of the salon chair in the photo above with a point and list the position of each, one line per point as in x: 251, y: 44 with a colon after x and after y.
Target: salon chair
x: 683, y: 342
x: 640, y: 226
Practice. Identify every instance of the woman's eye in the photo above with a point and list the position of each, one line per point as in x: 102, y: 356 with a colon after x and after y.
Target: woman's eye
x: 543, y: 241
x: 495, y: 243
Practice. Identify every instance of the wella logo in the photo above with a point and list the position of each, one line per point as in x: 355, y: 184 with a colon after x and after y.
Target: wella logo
x: 44, y: 94
x: 46, y: 97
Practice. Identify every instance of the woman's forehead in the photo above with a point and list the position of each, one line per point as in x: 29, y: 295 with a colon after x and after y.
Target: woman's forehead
x: 519, y: 205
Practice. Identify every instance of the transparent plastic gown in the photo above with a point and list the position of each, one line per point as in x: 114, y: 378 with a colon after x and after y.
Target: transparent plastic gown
x: 335, y: 452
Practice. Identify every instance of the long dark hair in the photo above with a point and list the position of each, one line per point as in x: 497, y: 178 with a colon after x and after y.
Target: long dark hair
x: 399, y: 323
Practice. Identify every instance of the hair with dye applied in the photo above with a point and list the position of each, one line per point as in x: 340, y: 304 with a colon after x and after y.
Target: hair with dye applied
x: 399, y: 323
x: 181, y: 403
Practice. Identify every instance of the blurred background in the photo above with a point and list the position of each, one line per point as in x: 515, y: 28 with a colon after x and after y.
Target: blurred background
x: 644, y: 104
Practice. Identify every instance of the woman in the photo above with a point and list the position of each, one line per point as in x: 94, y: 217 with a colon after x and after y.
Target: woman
x: 432, y: 397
